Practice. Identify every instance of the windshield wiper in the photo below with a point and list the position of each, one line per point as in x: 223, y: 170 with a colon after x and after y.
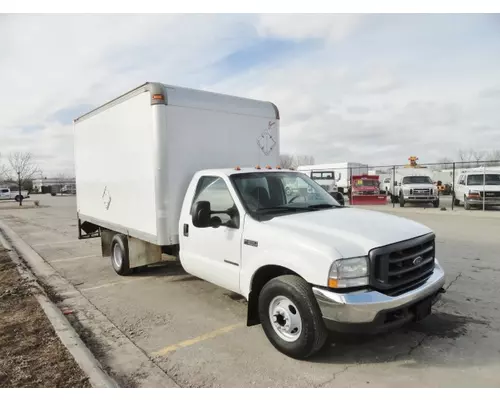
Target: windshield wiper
x: 279, y: 209
x: 322, y: 206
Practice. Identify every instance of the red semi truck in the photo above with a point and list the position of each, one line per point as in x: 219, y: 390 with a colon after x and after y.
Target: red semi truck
x: 365, y: 189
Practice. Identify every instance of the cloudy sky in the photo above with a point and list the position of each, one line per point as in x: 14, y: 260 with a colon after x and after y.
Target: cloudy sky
x: 366, y: 88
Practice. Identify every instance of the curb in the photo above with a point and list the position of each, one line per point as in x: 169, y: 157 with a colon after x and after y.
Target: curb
x: 64, y: 330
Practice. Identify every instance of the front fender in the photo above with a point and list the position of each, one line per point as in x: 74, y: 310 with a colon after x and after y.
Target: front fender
x: 306, y: 258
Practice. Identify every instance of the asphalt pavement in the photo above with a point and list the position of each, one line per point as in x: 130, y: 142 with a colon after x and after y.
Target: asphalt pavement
x: 195, y: 332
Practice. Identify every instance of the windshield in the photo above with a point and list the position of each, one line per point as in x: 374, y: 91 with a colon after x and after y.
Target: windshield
x: 491, y: 179
x: 416, y: 179
x: 281, y: 192
x: 366, y: 182
x: 318, y: 175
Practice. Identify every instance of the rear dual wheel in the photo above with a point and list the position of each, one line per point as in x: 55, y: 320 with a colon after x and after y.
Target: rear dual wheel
x: 119, y: 255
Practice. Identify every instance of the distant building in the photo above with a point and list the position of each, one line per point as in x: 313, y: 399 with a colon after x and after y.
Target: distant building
x: 45, y: 185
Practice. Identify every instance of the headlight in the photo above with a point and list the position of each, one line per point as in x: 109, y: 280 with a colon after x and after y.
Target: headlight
x: 348, y: 272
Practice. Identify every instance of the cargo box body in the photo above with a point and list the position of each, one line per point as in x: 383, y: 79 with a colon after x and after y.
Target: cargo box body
x: 135, y: 156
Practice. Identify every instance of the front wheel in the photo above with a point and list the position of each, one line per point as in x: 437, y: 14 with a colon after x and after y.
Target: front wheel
x: 401, y: 200
x: 435, y: 203
x: 291, y: 318
x: 18, y: 198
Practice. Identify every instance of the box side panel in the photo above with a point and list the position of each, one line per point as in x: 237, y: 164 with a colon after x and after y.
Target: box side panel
x: 204, y: 139
x: 114, y: 166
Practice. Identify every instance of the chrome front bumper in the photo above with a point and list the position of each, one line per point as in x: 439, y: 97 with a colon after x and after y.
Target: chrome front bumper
x: 488, y: 202
x: 411, y: 198
x: 363, y: 307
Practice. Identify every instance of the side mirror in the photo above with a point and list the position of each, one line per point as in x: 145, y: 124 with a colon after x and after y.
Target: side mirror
x: 201, y: 214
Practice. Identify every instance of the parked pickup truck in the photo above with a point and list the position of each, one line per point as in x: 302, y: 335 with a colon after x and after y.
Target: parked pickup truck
x: 418, y: 189
x: 7, y: 194
x: 208, y: 189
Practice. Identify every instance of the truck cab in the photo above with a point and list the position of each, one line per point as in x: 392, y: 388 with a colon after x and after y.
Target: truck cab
x: 327, y: 179
x: 417, y: 189
x: 301, y: 273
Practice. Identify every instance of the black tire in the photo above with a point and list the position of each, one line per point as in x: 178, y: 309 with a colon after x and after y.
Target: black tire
x: 339, y: 197
x: 120, y: 243
x: 394, y: 199
x: 52, y: 194
x: 456, y: 202
x: 313, y: 334
x: 466, y: 204
x: 401, y: 200
x: 18, y: 197
x: 435, y: 203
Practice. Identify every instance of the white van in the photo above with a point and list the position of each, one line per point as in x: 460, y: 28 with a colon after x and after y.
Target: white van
x: 473, y: 188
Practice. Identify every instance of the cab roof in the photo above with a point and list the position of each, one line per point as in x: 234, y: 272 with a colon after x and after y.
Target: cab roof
x: 246, y: 170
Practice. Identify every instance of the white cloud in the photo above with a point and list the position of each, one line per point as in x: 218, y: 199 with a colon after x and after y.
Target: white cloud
x: 371, y: 89
x: 333, y: 27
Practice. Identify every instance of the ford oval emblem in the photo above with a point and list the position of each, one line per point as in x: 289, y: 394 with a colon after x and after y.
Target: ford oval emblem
x: 417, y: 260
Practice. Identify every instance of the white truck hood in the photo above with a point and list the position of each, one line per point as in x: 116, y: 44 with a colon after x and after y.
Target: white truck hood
x: 352, y: 232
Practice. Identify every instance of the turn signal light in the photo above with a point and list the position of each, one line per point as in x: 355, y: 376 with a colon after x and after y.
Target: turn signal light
x: 238, y: 169
x: 333, y: 283
x: 158, y: 97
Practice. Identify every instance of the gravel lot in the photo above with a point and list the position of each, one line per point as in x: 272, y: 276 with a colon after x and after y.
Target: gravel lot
x: 194, y: 331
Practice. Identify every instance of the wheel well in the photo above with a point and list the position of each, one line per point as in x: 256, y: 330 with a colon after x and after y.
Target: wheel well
x: 260, y: 278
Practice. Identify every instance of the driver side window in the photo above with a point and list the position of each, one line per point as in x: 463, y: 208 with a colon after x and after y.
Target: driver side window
x: 214, y: 190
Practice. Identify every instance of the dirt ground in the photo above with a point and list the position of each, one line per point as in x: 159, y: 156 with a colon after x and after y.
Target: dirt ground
x: 31, y: 354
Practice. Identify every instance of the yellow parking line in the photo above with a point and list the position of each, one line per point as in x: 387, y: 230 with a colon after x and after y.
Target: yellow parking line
x: 190, y: 342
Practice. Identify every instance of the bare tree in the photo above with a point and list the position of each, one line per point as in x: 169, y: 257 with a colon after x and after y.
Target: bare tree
x: 304, y: 160
x: 3, y: 170
x: 22, y: 168
x: 465, y: 155
x: 444, y: 162
x: 287, y: 161
x: 493, y: 157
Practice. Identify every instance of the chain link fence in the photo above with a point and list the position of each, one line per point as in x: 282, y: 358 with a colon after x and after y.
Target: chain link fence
x: 467, y: 184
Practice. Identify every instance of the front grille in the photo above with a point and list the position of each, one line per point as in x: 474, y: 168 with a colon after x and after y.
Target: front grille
x: 402, y: 266
x: 422, y: 191
x: 490, y: 194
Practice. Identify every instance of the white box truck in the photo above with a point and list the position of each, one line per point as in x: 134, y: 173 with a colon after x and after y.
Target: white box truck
x: 343, y: 172
x: 164, y: 169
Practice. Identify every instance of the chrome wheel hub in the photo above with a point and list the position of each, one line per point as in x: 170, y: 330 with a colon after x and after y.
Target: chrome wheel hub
x: 285, y: 318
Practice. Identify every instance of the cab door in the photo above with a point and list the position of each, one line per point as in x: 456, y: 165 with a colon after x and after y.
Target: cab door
x: 213, y: 253
x: 460, y: 188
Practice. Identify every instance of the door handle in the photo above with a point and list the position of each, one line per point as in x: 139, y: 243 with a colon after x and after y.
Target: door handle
x: 186, y: 230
